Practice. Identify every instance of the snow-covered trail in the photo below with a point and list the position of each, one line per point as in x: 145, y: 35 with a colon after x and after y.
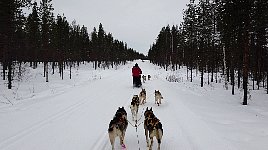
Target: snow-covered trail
x: 135, y: 139
x: 182, y: 128
x: 78, y: 117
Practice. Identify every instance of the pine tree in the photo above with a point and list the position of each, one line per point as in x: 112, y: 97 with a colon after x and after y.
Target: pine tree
x: 33, y: 35
x: 93, y: 45
x: 190, y: 33
x: 59, y: 42
x: 174, y: 49
x: 101, y: 43
x: 47, y: 19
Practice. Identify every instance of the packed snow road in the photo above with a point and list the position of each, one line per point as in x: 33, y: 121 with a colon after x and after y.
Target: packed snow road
x: 77, y: 118
x: 182, y: 128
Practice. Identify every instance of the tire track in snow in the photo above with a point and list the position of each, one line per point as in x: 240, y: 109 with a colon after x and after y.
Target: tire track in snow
x: 66, y: 111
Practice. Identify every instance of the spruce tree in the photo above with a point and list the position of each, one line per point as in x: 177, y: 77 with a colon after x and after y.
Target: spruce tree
x: 33, y: 35
x: 47, y: 19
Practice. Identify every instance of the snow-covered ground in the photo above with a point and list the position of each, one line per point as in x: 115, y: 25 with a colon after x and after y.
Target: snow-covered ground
x: 75, y: 114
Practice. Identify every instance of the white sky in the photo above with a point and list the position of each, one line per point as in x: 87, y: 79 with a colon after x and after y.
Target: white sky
x: 136, y: 22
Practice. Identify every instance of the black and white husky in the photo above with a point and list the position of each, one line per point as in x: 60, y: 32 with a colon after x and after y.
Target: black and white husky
x: 149, y: 77
x: 118, y: 126
x: 153, y: 126
x: 143, y: 78
x: 134, y: 107
x: 158, y: 97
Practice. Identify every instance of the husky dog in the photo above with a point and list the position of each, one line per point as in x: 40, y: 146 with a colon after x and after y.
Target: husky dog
x: 158, y: 97
x: 143, y: 78
x: 134, y: 106
x: 142, y: 96
x: 149, y: 77
x: 154, y: 127
x: 118, y: 126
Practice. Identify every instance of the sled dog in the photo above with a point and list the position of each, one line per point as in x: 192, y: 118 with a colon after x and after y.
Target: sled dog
x: 142, y: 96
x: 143, y: 78
x: 153, y: 126
x: 118, y: 126
x: 149, y: 77
x: 158, y: 97
x: 134, y: 107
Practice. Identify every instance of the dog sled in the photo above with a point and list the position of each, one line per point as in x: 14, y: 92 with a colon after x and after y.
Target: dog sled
x: 136, y: 74
x: 137, y: 82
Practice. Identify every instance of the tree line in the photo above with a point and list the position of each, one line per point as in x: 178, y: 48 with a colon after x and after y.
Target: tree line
x: 41, y: 37
x: 218, y: 36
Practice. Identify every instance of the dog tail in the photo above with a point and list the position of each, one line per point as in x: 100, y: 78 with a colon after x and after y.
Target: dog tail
x: 159, y: 132
x: 160, y: 127
x: 159, y: 135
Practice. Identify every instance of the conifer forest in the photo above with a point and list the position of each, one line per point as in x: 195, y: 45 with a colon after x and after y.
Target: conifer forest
x: 41, y: 37
x: 218, y: 36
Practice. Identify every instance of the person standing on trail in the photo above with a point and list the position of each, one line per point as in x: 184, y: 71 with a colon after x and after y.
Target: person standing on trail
x: 136, y: 74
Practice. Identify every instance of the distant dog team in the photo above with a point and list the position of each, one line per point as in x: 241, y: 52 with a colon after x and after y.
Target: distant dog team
x: 144, y: 78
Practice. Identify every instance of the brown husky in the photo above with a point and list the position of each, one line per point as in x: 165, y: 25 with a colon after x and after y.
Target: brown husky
x: 142, y: 96
x: 158, y: 97
x: 118, y: 126
x: 154, y: 127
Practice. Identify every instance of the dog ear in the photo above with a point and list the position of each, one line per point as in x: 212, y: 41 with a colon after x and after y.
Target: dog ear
x: 151, y: 109
x: 147, y: 108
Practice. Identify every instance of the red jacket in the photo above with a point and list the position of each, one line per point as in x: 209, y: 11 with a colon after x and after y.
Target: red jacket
x: 136, y: 71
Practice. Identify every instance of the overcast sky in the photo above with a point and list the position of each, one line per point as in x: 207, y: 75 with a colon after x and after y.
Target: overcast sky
x: 136, y: 22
